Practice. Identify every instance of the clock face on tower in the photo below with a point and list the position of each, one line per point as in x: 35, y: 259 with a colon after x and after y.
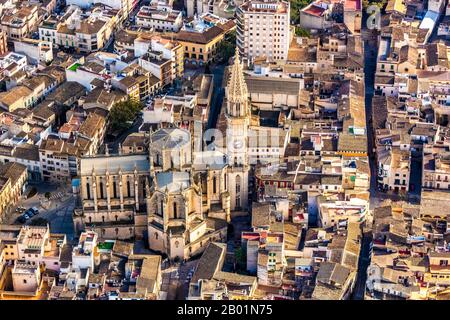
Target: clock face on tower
x: 238, y: 144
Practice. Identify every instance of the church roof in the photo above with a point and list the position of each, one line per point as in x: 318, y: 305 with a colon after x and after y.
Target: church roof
x: 170, y: 138
x: 125, y: 162
x: 172, y: 181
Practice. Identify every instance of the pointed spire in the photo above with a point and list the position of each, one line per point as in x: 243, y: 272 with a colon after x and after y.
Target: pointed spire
x: 236, y: 55
x: 237, y: 91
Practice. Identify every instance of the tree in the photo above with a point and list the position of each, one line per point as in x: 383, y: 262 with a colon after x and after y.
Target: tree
x: 123, y: 114
x: 379, y: 3
x: 47, y: 195
x: 227, y: 47
x: 302, y: 32
x: 296, y: 6
x: 241, y: 258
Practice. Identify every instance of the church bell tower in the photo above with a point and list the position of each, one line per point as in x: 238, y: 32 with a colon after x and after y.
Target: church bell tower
x: 238, y: 119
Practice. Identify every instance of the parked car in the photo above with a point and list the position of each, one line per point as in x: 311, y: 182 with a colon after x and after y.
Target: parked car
x: 29, y: 213
x: 26, y: 216
x: 35, y: 210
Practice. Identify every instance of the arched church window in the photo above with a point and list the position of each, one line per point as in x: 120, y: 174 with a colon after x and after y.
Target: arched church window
x: 238, y: 184
x: 101, y: 190
x: 144, y: 191
x: 175, y: 213
x: 88, y: 191
x: 214, y: 184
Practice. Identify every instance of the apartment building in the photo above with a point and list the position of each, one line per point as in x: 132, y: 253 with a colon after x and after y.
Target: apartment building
x: 37, y: 51
x: 147, y: 83
x: 159, y: 19
x: 263, y: 29
x: 13, y: 178
x: 394, y: 167
x: 12, y: 63
x: 84, y: 31
x: 157, y: 65
x: 439, y: 271
x: 169, y: 50
x: 38, y: 247
x: 19, y: 22
x: 92, y: 130
x: 333, y: 213
x: 58, y: 159
x: 201, y: 39
x: 48, y: 29
x: 84, y: 253
x: 436, y: 167
x: 16, y: 98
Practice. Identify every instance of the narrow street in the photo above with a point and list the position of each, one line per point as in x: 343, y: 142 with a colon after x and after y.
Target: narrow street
x: 370, y: 39
x: 370, y: 55
x: 363, y: 264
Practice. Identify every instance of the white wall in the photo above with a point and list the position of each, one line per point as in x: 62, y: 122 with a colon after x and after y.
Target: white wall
x: 27, y: 282
x: 82, y: 77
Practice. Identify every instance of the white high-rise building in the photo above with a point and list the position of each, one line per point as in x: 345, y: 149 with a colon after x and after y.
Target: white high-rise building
x: 263, y: 29
x: 238, y: 120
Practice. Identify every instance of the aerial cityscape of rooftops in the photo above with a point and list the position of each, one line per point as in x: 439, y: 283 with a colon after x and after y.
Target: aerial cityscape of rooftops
x: 224, y: 150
